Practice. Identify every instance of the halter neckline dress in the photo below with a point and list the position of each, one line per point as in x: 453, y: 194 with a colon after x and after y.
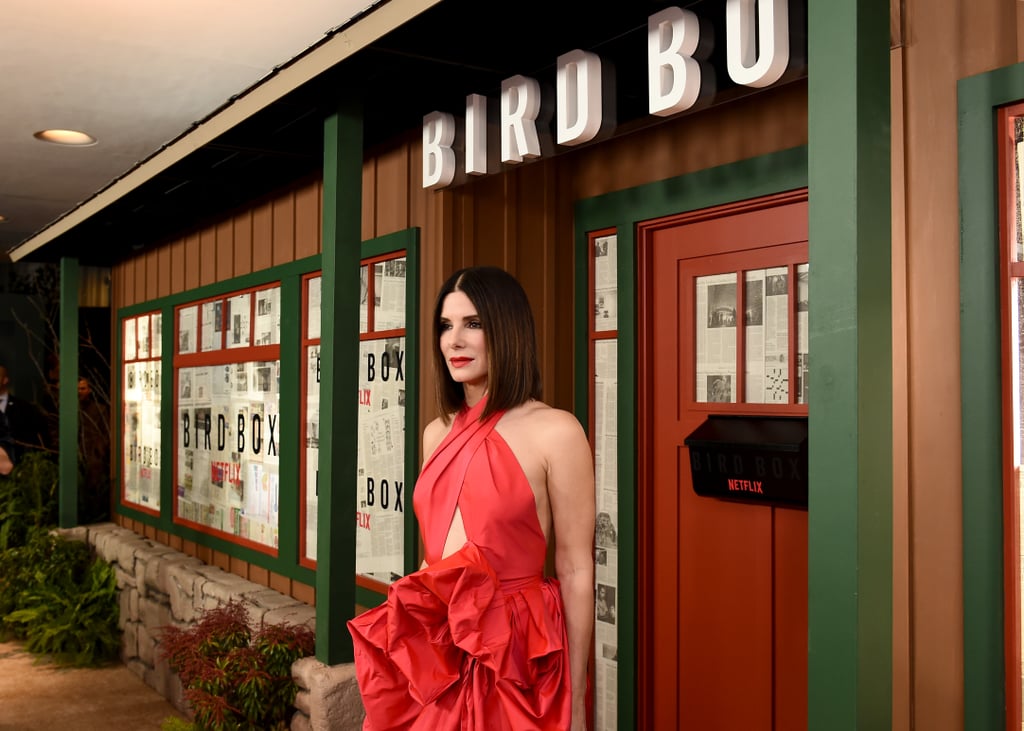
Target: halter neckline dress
x: 475, y: 641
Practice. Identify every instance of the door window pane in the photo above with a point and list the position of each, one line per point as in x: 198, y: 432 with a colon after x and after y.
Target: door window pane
x: 716, y: 338
x: 766, y: 335
x: 802, y: 340
x: 769, y: 342
x: 389, y: 294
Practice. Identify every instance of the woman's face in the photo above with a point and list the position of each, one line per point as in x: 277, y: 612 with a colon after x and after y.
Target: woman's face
x: 462, y: 341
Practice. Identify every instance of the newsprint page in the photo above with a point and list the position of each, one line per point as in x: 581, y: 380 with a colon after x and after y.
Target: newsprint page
x: 382, y: 494
x: 606, y: 546
x: 141, y: 458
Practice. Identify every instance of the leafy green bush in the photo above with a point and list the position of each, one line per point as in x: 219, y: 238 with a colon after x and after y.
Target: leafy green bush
x: 53, y: 594
x: 60, y: 600
x: 237, y: 677
x: 28, y: 498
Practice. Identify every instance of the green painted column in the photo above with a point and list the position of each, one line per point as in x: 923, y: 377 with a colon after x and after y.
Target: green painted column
x: 339, y: 382
x: 291, y: 400
x: 850, y: 410
x: 67, y: 464
x: 168, y: 421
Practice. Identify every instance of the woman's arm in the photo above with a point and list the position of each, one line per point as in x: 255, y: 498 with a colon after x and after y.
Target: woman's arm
x: 433, y: 433
x: 570, y: 469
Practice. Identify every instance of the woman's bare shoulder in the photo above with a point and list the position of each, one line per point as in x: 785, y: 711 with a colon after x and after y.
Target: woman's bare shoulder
x: 545, y: 424
x: 433, y: 434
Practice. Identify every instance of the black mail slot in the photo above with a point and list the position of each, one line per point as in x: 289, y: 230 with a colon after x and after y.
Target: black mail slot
x: 750, y: 458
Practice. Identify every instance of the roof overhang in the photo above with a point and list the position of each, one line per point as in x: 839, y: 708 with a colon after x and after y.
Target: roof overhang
x: 342, y: 44
x: 402, y: 60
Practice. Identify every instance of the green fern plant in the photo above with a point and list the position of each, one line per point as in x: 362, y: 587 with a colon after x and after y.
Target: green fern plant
x: 53, y: 594
x: 60, y: 600
x: 234, y: 676
x: 73, y: 623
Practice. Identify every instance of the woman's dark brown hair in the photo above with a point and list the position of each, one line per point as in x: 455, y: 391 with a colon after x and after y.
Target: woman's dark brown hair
x: 513, y: 375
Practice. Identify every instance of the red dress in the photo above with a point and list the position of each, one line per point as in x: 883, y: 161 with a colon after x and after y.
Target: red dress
x: 476, y: 641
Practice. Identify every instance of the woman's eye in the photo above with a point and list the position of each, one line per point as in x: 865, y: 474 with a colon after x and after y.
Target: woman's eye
x: 446, y: 326
x: 474, y: 324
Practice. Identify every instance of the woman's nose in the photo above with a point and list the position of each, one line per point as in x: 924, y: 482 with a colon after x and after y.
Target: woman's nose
x: 456, y: 338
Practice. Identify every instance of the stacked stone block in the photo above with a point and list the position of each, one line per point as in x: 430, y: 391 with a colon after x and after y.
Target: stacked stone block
x: 159, y: 586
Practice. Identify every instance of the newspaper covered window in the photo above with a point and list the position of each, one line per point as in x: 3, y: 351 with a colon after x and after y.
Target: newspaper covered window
x: 141, y: 458
x: 604, y: 396
x: 382, y: 497
x: 227, y: 372
x: 310, y: 456
x: 771, y: 337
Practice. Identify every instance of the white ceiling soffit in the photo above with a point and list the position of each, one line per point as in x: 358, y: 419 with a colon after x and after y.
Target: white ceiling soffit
x: 385, y: 17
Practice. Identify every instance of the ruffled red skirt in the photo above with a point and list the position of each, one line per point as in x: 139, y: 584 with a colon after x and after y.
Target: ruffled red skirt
x: 453, y: 648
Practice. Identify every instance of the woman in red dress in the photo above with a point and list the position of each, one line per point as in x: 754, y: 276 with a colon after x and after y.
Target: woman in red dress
x: 479, y: 638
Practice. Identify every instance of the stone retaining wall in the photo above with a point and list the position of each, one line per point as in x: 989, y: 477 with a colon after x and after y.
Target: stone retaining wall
x: 160, y: 586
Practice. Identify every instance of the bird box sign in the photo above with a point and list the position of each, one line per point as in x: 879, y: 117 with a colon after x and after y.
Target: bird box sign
x: 759, y: 459
x: 758, y: 52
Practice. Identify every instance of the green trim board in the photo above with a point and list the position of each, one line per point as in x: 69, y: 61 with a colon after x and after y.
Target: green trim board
x: 367, y: 597
x: 405, y: 239
x: 290, y: 399
x: 412, y: 400
x: 981, y: 369
x: 622, y: 210
x: 167, y: 436
x: 775, y: 172
x: 850, y: 508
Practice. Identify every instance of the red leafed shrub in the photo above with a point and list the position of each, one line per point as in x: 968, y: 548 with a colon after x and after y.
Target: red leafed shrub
x: 235, y: 676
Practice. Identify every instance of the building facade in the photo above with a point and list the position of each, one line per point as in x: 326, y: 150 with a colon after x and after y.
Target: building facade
x: 772, y: 252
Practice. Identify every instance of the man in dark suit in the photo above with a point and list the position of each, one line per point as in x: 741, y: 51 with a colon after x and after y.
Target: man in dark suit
x: 21, y: 426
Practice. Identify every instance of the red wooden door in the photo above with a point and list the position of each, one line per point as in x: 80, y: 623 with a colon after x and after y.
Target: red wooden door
x: 722, y: 584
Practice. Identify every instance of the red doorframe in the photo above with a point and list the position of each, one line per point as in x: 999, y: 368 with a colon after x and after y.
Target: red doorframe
x: 744, y: 229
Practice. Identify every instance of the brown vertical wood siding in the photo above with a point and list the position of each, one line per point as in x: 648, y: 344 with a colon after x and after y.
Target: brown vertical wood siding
x: 224, y: 249
x: 271, y: 232
x: 243, y: 243
x: 938, y: 44
x: 262, y: 237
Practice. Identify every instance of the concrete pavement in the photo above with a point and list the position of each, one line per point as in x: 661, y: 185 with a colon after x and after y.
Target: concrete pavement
x: 36, y: 695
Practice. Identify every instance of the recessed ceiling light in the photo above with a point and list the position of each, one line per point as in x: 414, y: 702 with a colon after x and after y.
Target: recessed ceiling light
x: 65, y: 137
x: 3, y: 218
